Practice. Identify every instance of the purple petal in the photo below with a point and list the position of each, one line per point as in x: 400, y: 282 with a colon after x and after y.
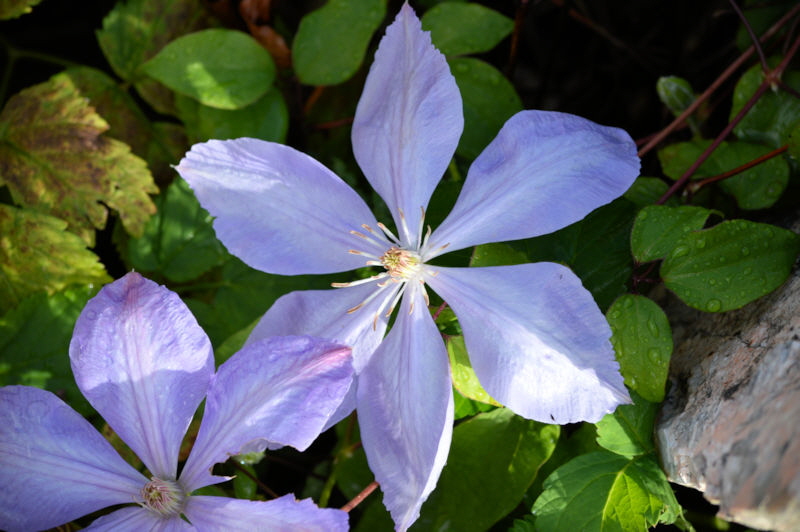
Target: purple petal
x: 536, y: 339
x: 408, y: 121
x: 280, y: 390
x: 323, y: 313
x: 405, y: 409
x: 284, y: 514
x: 277, y: 209
x: 144, y: 363
x: 54, y: 466
x: 542, y: 172
x: 135, y: 519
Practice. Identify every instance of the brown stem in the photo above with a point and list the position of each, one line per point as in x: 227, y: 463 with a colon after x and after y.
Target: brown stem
x: 752, y: 34
x: 694, y: 187
x: 266, y: 489
x: 439, y: 310
x: 360, y: 497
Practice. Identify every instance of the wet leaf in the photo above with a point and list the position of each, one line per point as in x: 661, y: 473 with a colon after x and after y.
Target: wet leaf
x: 54, y: 159
x: 629, y: 430
x: 658, y: 228
x: 646, y: 191
x: 465, y: 28
x: 771, y: 119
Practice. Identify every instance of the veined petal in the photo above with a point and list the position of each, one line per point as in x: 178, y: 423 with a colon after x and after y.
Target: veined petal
x: 324, y: 313
x: 279, y: 390
x: 405, y: 409
x: 54, y: 466
x: 408, y: 121
x: 277, y: 209
x: 543, y: 171
x: 137, y: 519
x: 284, y: 514
x: 536, y: 339
x: 144, y: 363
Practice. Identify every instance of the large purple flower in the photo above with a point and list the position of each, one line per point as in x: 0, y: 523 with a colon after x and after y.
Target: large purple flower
x: 143, y: 362
x: 535, y: 337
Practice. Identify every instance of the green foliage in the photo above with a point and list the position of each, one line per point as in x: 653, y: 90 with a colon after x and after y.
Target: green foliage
x: 646, y: 191
x: 37, y: 254
x: 331, y: 42
x: 677, y: 94
x: 629, y: 430
x: 729, y: 265
x: 199, y: 65
x: 642, y: 339
x: 464, y: 378
x: 460, y: 28
x: 773, y: 117
x: 657, y: 229
x: 16, y: 8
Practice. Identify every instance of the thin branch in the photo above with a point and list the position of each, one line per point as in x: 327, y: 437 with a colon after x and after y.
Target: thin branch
x: 752, y: 34
x: 266, y: 489
x: 360, y: 497
x: 694, y: 187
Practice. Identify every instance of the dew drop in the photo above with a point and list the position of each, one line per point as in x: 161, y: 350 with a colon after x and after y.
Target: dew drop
x: 614, y: 315
x: 700, y: 243
x: 654, y: 355
x: 651, y: 324
x: 713, y: 305
x: 748, y: 270
x: 643, y: 215
x: 680, y: 251
x: 628, y: 303
x: 712, y: 282
x: 745, y: 251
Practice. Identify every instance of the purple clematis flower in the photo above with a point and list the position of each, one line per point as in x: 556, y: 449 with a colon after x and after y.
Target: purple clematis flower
x: 143, y: 362
x: 535, y: 337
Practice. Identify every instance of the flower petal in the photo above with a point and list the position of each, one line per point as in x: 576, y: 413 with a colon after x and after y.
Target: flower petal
x: 408, y: 121
x: 277, y: 209
x: 144, y: 363
x: 136, y: 518
x: 405, y: 409
x: 543, y: 171
x: 279, y: 390
x: 284, y: 514
x: 536, y: 339
x: 50, y: 454
x: 324, y: 313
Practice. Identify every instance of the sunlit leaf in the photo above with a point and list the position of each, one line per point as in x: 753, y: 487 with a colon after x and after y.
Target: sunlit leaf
x: 225, y: 69
x: 465, y: 28
x: 729, y: 265
x: 608, y: 492
x: 330, y: 43
x: 54, y: 158
x: 658, y: 228
x: 489, y: 100
x: 179, y: 241
x: 464, y: 378
x: 493, y: 459
x: 629, y: 430
x: 16, y: 8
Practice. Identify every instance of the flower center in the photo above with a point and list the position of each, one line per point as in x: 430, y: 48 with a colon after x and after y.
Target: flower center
x: 401, y: 264
x: 163, y: 497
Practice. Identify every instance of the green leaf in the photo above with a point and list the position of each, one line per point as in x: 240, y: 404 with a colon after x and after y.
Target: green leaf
x: 496, y: 254
x: 179, y: 241
x: 489, y: 100
x: 16, y: 8
x: 56, y: 160
x: 629, y: 430
x: 729, y: 265
x: 642, y: 339
x: 37, y: 254
x: 658, y: 228
x: 676, y: 93
x: 331, y: 42
x: 464, y: 378
x: 646, y: 191
x: 603, y: 491
x: 34, y: 341
x: 794, y: 142
x: 596, y: 248
x: 772, y: 118
x: 677, y: 158
x: 267, y: 118
x: 465, y: 28
x: 200, y: 65
x: 493, y: 459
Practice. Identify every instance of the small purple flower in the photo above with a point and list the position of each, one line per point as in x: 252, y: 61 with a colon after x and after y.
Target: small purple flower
x: 535, y: 337
x: 144, y: 364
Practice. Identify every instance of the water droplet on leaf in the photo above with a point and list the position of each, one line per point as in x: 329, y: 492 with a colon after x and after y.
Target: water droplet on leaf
x: 713, y: 305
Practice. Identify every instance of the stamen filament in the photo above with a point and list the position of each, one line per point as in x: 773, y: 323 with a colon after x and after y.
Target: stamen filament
x: 389, y: 233
x: 361, y: 281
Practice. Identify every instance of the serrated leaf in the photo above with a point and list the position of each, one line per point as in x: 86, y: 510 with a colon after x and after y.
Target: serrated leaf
x: 199, y: 65
x: 54, y: 159
x: 16, y: 8
x: 658, y: 228
x: 489, y: 100
x: 603, y: 491
x: 330, y: 43
x: 645, y: 191
x: 771, y: 119
x: 629, y: 430
x: 267, y: 118
x: 38, y: 255
x: 729, y: 265
x: 464, y: 378
x: 179, y: 241
x: 642, y: 339
x: 465, y: 28
x: 493, y: 459
x: 24, y: 349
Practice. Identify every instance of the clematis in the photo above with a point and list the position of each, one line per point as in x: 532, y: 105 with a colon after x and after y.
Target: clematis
x: 144, y: 364
x: 536, y: 339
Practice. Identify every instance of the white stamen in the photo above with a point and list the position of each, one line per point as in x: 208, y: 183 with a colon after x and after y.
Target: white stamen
x: 361, y: 281
x: 389, y: 233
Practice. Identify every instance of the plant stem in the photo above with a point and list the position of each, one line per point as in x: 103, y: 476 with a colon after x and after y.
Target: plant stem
x: 360, y: 497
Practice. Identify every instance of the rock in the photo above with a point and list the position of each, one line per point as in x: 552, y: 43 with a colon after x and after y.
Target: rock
x: 730, y: 425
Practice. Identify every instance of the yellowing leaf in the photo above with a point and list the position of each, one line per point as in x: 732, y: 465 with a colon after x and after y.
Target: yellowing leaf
x: 54, y: 159
x: 38, y: 255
